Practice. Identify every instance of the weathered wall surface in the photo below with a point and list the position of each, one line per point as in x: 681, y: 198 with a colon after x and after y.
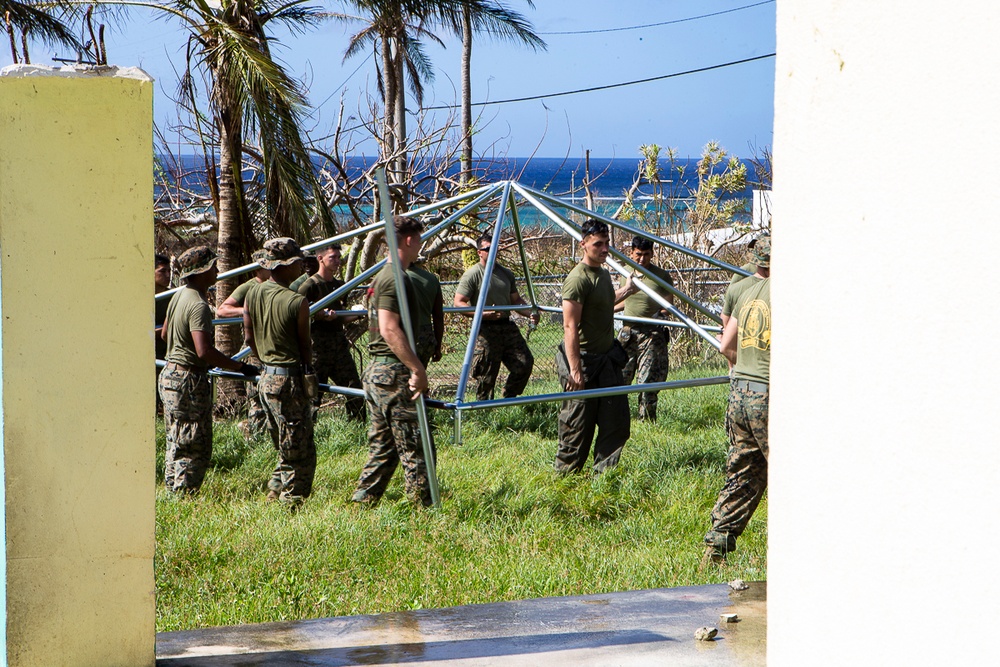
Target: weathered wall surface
x: 884, y: 448
x: 75, y: 293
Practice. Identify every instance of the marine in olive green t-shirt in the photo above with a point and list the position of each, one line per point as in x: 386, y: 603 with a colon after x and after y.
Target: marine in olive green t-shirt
x: 641, y: 304
x: 274, y: 311
x: 383, y: 297
x: 502, y: 285
x: 591, y: 287
x: 187, y: 312
x: 752, y: 311
x: 239, y: 295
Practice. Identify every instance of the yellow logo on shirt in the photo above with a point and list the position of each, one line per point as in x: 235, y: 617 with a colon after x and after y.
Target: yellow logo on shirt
x: 755, y: 325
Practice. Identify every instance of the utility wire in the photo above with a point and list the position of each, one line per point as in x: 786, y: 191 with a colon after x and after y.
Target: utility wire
x: 654, y: 25
x: 609, y: 86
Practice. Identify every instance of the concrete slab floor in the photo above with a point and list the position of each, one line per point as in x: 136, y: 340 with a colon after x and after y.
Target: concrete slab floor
x: 649, y: 627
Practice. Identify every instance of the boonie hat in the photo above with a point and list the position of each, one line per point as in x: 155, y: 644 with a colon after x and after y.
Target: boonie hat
x: 258, y: 255
x: 196, y: 260
x: 280, y: 252
x: 762, y: 252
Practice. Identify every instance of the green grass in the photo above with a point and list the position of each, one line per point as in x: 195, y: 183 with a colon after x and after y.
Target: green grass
x: 509, y: 527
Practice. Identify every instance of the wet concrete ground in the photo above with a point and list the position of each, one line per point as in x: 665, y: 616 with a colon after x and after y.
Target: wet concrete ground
x: 650, y: 627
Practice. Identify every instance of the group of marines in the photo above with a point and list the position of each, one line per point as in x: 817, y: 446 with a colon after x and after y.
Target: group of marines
x: 293, y: 349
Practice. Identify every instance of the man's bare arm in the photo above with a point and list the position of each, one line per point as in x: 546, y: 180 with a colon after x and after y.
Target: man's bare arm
x: 572, y: 311
x: 729, y: 334
x: 305, y: 337
x: 229, y: 308
x: 204, y: 347
x: 248, y: 338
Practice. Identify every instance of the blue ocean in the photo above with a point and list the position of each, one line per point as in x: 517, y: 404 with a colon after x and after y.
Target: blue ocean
x: 562, y: 177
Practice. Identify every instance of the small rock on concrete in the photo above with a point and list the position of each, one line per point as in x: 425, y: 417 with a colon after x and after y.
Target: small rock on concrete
x: 738, y: 585
x: 705, y: 634
x: 729, y: 618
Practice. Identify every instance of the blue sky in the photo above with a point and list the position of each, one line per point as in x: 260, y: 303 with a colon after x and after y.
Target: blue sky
x: 733, y: 105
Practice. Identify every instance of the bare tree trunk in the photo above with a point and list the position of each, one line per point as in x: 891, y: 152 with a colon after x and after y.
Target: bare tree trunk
x: 229, y: 338
x: 400, y: 113
x: 389, y: 81
x: 466, y: 159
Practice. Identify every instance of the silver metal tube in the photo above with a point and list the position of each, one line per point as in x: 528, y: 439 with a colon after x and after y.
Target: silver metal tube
x: 524, y: 257
x: 570, y: 229
x: 663, y: 303
x: 617, y: 254
x: 457, y: 418
x: 661, y: 323
x: 404, y: 314
x: 477, y: 318
x: 638, y: 232
x: 584, y: 394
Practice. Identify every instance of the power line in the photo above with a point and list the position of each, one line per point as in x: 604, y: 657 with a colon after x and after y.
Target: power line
x: 609, y: 86
x: 654, y: 25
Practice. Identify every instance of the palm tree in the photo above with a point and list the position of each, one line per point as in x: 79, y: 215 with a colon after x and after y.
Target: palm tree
x: 396, y: 27
x: 34, y: 20
x: 503, y: 24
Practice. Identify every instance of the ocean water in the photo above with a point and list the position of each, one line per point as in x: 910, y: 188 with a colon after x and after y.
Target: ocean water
x: 562, y: 177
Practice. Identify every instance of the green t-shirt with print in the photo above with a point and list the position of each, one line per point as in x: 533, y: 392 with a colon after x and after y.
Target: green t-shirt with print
x: 640, y: 304
x: 591, y: 287
x: 753, y: 340
x: 383, y: 297
x: 274, y: 313
x: 734, y: 291
x: 502, y: 283
x: 187, y: 312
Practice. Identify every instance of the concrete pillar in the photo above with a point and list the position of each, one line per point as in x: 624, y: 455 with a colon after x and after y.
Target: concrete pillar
x: 76, y: 393
x: 884, y: 460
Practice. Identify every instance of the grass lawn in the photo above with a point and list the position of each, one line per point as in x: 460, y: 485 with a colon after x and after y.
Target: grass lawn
x: 509, y: 528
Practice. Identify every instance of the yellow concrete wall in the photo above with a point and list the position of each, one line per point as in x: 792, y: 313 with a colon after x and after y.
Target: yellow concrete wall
x: 76, y: 259
x: 884, y: 459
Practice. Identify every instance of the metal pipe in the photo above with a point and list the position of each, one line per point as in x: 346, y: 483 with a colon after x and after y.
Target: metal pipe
x: 404, y: 314
x: 662, y: 323
x: 638, y: 232
x: 477, y: 318
x: 528, y: 281
x: 570, y: 229
x: 585, y: 394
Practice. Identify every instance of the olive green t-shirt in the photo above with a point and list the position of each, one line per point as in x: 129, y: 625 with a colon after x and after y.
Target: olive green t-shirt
x: 187, y: 312
x: 315, y: 288
x: 502, y: 283
x: 737, y: 277
x: 734, y: 291
x: 239, y: 295
x: 383, y: 297
x: 274, y: 312
x: 753, y: 341
x: 426, y: 286
x: 297, y: 283
x: 640, y: 304
x: 592, y: 287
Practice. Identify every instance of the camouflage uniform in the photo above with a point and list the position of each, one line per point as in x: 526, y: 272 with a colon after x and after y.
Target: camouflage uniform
x: 394, y: 434
x: 334, y: 363
x: 499, y: 342
x: 256, y: 414
x: 290, y: 422
x: 187, y: 420
x: 646, y: 347
x: 746, y: 464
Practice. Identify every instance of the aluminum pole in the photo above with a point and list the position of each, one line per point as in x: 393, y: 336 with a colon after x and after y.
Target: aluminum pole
x: 524, y: 257
x: 477, y: 318
x: 404, y: 315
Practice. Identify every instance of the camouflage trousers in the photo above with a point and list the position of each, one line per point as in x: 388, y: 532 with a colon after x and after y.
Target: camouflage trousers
x: 579, y: 419
x: 256, y: 415
x: 394, y: 435
x: 648, y: 361
x: 500, y: 342
x: 290, y: 423
x: 334, y: 364
x: 746, y: 464
x: 187, y: 419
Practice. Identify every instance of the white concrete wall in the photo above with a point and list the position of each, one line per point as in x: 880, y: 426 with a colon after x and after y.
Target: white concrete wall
x: 885, y: 455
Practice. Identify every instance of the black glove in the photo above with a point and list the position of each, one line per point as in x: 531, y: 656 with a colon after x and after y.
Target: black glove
x: 249, y: 370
